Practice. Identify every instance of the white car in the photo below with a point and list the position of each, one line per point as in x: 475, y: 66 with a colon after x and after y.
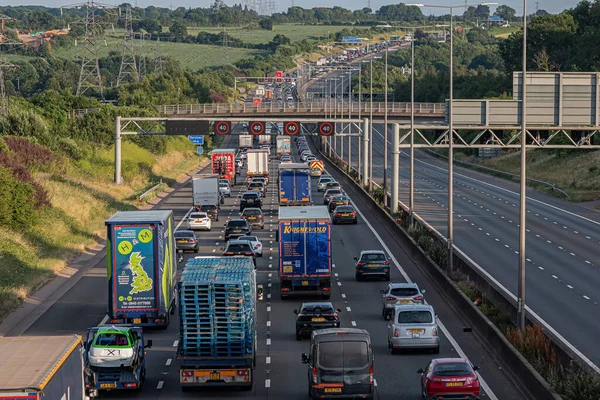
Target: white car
x: 199, y: 220
x: 254, y: 243
x: 225, y: 189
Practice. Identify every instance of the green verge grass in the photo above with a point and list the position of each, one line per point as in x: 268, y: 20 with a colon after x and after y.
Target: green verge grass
x: 82, y: 197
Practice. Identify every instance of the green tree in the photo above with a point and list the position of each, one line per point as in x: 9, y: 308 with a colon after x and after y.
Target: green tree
x: 266, y: 24
x: 505, y: 12
x: 178, y: 29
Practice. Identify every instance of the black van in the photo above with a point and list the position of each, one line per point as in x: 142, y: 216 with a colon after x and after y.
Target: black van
x: 340, y: 364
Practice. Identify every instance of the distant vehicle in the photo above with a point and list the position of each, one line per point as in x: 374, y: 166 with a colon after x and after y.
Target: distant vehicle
x: 211, y: 210
x: 313, y: 316
x: 324, y: 180
x: 237, y: 227
x: 294, y: 185
x: 259, y: 187
x: 199, y: 220
x: 225, y: 189
x: 372, y: 263
x: 398, y: 294
x: 338, y: 201
x: 413, y: 327
x: 349, y: 353
x: 437, y: 375
x: 344, y: 214
x: 250, y: 199
x: 239, y: 248
x: 329, y: 193
x: 254, y: 216
x: 205, y: 189
x: 223, y: 163
x: 186, y: 240
x: 255, y: 243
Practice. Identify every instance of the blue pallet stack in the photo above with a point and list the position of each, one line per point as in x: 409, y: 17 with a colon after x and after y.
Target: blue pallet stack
x: 217, y: 307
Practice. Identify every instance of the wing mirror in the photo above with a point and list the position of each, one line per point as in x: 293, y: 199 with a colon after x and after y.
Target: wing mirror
x: 295, y: 312
x: 355, y: 258
x: 304, y: 358
x: 149, y: 344
x: 338, y: 310
x: 475, y: 368
x: 420, y: 371
x: 423, y: 291
x: 382, y: 292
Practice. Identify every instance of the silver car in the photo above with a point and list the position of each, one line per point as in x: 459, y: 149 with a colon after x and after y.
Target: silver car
x: 225, y: 189
x: 413, y: 327
x: 323, y: 181
x: 398, y: 294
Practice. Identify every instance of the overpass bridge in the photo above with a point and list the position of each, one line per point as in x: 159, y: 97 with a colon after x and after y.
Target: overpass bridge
x: 425, y: 112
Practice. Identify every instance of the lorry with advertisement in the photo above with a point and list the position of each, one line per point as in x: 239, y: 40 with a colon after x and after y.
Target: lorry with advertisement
x: 141, y: 263
x: 223, y: 163
x: 294, y: 185
x: 284, y: 145
x: 42, y: 368
x: 245, y: 142
x: 258, y: 164
x: 264, y: 140
x: 304, y: 237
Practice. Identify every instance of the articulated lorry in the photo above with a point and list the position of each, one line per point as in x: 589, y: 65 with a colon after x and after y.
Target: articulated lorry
x: 217, y: 334
x: 206, y: 190
x: 258, y: 164
x: 294, y: 185
x: 141, y: 263
x: 41, y: 368
x: 245, y: 142
x: 264, y: 139
x: 114, y: 359
x: 283, y: 145
x: 223, y: 164
x: 304, y: 237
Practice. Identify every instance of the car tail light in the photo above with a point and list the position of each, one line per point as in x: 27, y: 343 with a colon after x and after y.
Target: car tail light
x: 193, y: 240
x: 243, y: 216
x: 338, y: 214
x: 386, y: 263
x: 285, y: 289
x: 314, y: 375
x: 242, y: 372
x: 390, y: 298
x: 371, y: 375
x: 326, y: 289
x: 249, y: 254
x: 434, y: 332
x: 353, y: 214
x: 260, y: 217
x: 187, y: 373
x: 396, y: 332
x: 228, y: 253
x: 471, y: 380
x: 361, y: 263
x: 130, y: 385
x: 418, y: 298
x: 257, y: 246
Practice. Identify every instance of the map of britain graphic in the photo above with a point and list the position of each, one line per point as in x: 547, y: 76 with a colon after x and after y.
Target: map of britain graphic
x: 141, y: 281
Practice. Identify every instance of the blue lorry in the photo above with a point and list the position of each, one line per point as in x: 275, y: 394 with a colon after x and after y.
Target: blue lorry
x: 217, y: 332
x: 294, y: 185
x: 304, y: 237
x: 141, y: 263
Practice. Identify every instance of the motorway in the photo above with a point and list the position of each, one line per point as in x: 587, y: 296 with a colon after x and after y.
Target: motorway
x: 279, y: 372
x: 563, y: 239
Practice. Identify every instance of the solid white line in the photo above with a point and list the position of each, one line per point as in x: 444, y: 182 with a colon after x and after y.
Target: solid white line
x: 175, y: 343
x: 184, y: 218
x: 160, y: 385
x: 268, y: 342
x: 484, y: 384
x: 104, y: 320
x: 168, y: 361
x: 267, y: 383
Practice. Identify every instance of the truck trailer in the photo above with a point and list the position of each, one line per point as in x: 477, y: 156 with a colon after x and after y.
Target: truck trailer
x: 257, y: 164
x: 223, y: 164
x: 217, y: 335
x: 141, y: 263
x: 294, y: 184
x: 304, y: 237
x: 283, y: 145
x: 265, y: 140
x: 206, y: 190
x: 41, y: 368
x: 245, y: 142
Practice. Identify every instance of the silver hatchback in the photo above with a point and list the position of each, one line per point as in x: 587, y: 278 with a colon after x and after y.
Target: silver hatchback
x: 413, y: 327
x: 399, y: 294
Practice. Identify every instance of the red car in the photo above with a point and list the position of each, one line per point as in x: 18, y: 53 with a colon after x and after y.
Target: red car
x: 449, y: 378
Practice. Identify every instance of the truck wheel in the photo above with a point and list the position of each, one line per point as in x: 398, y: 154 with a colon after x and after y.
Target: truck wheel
x: 326, y: 296
x: 284, y: 297
x: 217, y: 218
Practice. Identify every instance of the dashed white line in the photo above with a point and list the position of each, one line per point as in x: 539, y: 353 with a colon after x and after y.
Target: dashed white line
x: 570, y: 287
x: 175, y: 343
x: 268, y: 308
x: 268, y: 360
x: 168, y: 361
x: 587, y: 262
x: 339, y: 283
x: 268, y: 323
x: 348, y: 309
x: 585, y: 297
x: 573, y: 254
x: 267, y: 383
x: 268, y: 341
x: 353, y: 323
x: 160, y: 385
x: 555, y: 277
x: 343, y: 296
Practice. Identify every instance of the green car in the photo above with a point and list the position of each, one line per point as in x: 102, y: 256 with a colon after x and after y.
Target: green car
x: 372, y: 263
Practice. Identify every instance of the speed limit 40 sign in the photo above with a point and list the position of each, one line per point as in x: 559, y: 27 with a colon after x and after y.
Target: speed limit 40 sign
x: 222, y: 127
x: 326, y: 128
x: 291, y: 128
x: 257, y: 128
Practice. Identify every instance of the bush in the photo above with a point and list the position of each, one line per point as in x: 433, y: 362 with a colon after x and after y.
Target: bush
x: 16, y: 202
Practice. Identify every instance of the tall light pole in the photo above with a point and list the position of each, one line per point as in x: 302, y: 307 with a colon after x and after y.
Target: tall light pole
x: 450, y: 233
x: 359, y: 117
x: 385, y: 132
x: 371, y: 132
x: 523, y: 202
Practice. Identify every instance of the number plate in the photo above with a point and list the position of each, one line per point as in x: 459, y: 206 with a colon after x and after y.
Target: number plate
x: 304, y: 283
x: 454, y: 383
x: 215, y: 376
x: 318, y: 320
x: 373, y: 265
x: 345, y: 215
x: 415, y: 330
x: 403, y: 302
x: 333, y: 390
x: 137, y: 320
x: 108, y: 385
x: 181, y: 241
x: 237, y: 230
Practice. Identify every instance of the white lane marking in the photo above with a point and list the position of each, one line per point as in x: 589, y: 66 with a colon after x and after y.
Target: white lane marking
x: 184, y: 218
x: 175, y: 343
x: 168, y: 361
x: 104, y: 320
x: 268, y: 360
x: 570, y: 287
x: 267, y: 383
x: 268, y: 341
x: 160, y: 385
x: 555, y: 277
x: 343, y: 296
x: 268, y: 295
x: 268, y: 323
x: 348, y: 309
x: 335, y: 274
x: 339, y: 283
x: 585, y: 297
x: 269, y: 309
x: 353, y: 323
x: 484, y: 384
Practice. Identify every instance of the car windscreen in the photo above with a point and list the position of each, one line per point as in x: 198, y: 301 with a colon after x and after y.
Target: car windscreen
x: 251, y: 212
x: 404, y: 292
x: 250, y: 238
x: 238, y: 248
x: 452, y: 369
x: 415, y: 317
x: 224, y: 185
x: 317, y: 309
x: 343, y: 355
x: 255, y: 184
x: 345, y: 209
x: 373, y: 257
x: 325, y: 180
x: 249, y: 196
x: 236, y: 223
x: 184, y: 234
x: 333, y: 192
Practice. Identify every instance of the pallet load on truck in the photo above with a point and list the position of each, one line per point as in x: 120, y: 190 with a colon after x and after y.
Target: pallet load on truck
x: 258, y: 164
x: 245, y: 142
x: 141, y: 262
x: 294, y: 185
x: 223, y: 164
x: 217, y: 335
x: 206, y: 190
x: 283, y: 145
x: 264, y: 140
x: 304, y: 237
x: 41, y: 367
x: 114, y: 358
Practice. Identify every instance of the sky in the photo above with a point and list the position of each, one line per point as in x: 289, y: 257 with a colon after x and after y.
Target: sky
x: 552, y: 6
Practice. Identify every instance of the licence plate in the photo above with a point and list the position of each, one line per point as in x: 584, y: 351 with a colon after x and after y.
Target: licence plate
x: 182, y: 241
x: 137, y: 320
x: 304, y: 283
x: 237, y: 230
x: 215, y: 376
x: 252, y: 218
x: 333, y: 390
x: 373, y: 265
x: 108, y: 385
x: 454, y: 383
x: 403, y: 302
x: 318, y: 320
x: 345, y: 215
x: 415, y: 330
x: 250, y: 201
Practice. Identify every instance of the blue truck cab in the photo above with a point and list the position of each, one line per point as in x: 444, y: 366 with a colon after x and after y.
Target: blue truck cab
x: 141, y: 264
x: 304, y: 237
x: 294, y: 185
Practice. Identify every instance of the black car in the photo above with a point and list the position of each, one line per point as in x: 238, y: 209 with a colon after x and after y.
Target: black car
x: 237, y: 227
x: 250, y: 199
x: 313, y: 316
x: 240, y: 248
x: 186, y: 240
x: 254, y: 216
x: 344, y: 214
x: 338, y: 201
x: 210, y: 209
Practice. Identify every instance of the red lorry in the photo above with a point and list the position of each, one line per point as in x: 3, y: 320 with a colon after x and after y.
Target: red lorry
x: 223, y: 163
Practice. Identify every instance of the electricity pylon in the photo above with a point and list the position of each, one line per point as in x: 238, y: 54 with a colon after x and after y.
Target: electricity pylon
x: 128, y: 70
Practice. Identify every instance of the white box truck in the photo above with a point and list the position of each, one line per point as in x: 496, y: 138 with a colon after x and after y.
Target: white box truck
x: 206, y: 190
x: 258, y: 164
x: 245, y: 142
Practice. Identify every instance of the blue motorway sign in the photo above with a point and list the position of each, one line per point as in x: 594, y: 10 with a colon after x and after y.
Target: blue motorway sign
x: 351, y: 39
x: 200, y: 150
x: 197, y: 140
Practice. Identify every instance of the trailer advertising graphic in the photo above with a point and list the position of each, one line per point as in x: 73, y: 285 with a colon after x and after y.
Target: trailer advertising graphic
x: 134, y: 267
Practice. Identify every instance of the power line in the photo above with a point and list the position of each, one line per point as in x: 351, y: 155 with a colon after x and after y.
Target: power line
x: 128, y: 69
x: 158, y: 61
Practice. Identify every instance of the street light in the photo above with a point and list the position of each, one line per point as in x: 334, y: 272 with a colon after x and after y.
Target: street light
x: 370, y: 155
x: 450, y: 131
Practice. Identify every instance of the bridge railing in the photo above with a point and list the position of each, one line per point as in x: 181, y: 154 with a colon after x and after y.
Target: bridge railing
x: 324, y: 107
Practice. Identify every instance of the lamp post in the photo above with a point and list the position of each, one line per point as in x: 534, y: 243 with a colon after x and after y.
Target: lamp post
x: 370, y: 155
x: 385, y: 132
x: 450, y: 233
x: 523, y: 199
x: 359, y: 117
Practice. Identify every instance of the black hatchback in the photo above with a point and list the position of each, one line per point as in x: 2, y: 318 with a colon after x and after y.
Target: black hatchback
x: 237, y: 227
x: 250, y: 199
x: 210, y: 209
x: 313, y: 316
x: 344, y: 214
